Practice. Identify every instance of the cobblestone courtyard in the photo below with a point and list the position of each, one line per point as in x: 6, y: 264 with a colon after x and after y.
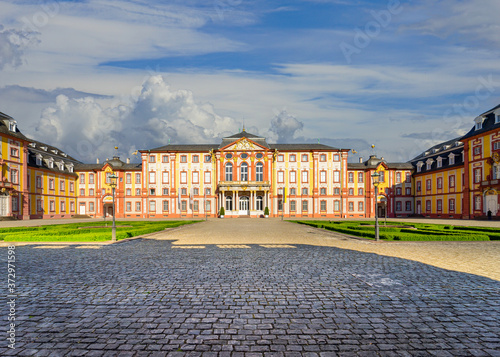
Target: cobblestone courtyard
x: 246, y: 293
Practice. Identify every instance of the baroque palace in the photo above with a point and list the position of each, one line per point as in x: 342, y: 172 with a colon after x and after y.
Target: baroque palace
x: 459, y: 178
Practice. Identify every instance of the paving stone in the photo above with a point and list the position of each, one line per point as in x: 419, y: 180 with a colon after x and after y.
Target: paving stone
x: 143, y: 298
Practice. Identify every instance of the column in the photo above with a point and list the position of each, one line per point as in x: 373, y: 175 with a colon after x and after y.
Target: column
x: 236, y: 204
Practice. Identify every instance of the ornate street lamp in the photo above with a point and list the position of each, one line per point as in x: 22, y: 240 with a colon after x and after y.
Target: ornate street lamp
x: 113, y: 178
x: 375, y: 177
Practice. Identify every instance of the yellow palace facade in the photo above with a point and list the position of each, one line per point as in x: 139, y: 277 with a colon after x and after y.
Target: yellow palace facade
x: 244, y: 175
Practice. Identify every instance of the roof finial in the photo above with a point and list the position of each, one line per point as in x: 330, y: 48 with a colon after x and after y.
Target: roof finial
x: 243, y: 125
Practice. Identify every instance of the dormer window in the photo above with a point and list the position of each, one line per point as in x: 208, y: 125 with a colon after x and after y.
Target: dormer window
x: 39, y: 160
x: 479, y: 123
x: 54, y: 151
x: 497, y: 116
x: 12, y: 126
x: 419, y: 166
x: 51, y: 163
x: 70, y: 168
x: 61, y: 166
x: 435, y: 150
x: 64, y: 154
x: 440, y: 162
x: 429, y: 164
x: 451, y: 158
x: 44, y: 148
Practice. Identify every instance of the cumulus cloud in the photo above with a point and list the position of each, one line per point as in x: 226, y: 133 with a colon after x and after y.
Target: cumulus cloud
x: 13, y: 43
x: 159, y: 115
x: 284, y: 127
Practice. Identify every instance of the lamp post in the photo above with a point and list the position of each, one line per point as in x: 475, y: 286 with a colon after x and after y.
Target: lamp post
x: 375, y: 177
x: 113, y: 178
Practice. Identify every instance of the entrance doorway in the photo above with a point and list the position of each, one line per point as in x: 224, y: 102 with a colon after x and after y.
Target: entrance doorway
x: 244, y: 205
x: 82, y: 209
x: 491, y: 203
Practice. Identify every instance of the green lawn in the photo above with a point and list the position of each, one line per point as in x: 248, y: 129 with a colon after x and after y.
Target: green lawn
x: 81, y: 232
x: 403, y: 231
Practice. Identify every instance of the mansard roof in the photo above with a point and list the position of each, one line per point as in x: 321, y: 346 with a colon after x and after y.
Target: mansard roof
x: 243, y: 134
x: 115, y: 162
x: 5, y: 129
x: 488, y: 123
x: 302, y: 147
x: 49, y: 153
x: 186, y: 147
x: 373, y: 162
x: 442, y: 152
x: 439, y: 149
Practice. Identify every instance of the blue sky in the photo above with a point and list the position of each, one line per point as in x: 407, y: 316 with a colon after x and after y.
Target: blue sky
x: 403, y: 75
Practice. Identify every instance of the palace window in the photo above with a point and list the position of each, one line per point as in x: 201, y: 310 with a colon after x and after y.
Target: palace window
x: 360, y: 206
x: 478, y: 175
x: 184, y: 177
x: 477, y: 203
x: 196, y: 205
x: 91, y: 192
x: 164, y: 159
x: 451, y: 159
x: 183, y: 191
x: 128, y: 192
x: 336, y: 158
x: 137, y: 206
x: 408, y: 206
x: 280, y: 176
x: 305, y: 205
x: 336, y: 206
x: 451, y: 204
x: 184, y: 158
x: 137, y: 178
x: 439, y: 162
x: 381, y: 178
x: 322, y: 157
x: 129, y: 206
x: 207, y: 177
x: 477, y: 150
x: 305, y: 157
x: 137, y: 191
x: 52, y: 206
x: 82, y: 192
x: 292, y: 158
x: 496, y: 171
x: 452, y: 181
x: 196, y: 177
x: 322, y: 176
x: 152, y: 176
x: 428, y: 205
x: 165, y: 206
x: 207, y: 191
x: 229, y: 203
x: 259, y: 203
x: 165, y: 192
x: 293, y: 206
x: 244, y: 172
x: 91, y: 206
x: 496, y: 145
x: 351, y: 177
x: 152, y: 191
x: 350, y: 206
x: 82, y: 178
x: 336, y: 176
x: 398, y: 206
x: 281, y: 158
x: 428, y: 185
x: 408, y: 191
x: 128, y: 178
x: 440, y: 183
x: 229, y: 172
x: 259, y: 172
x: 360, y: 192
x: 336, y: 191
x: 408, y: 177
x: 91, y: 179
x: 439, y: 204
x: 208, y: 206
x: 322, y: 191
x: 152, y: 206
x: 164, y: 176
x: 398, y: 177
x: 351, y: 192
x: 305, y: 174
x: 14, y: 176
x: 360, y: 177
x: 398, y: 191
x: 196, y: 158
x: 63, y: 206
x: 304, y: 192
x: 323, y: 205
x: 208, y: 158
x: 152, y: 159
x: 293, y: 178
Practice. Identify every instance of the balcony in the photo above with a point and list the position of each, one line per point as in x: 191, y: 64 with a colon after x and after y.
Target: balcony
x: 244, y: 185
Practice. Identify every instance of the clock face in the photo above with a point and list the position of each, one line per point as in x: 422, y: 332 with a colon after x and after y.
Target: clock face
x: 244, y: 156
x: 229, y: 156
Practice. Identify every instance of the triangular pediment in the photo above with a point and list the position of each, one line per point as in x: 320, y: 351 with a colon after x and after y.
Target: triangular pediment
x: 244, y: 144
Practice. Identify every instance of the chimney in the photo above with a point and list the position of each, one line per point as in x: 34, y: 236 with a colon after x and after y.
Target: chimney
x: 360, y: 160
x: 97, y: 160
x: 128, y: 160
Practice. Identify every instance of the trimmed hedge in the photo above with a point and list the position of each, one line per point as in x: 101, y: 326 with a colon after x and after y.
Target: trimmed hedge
x: 424, y: 232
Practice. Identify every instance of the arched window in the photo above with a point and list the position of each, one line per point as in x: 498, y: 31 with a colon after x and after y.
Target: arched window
x: 229, y: 203
x: 244, y: 172
x: 259, y: 172
x: 229, y: 172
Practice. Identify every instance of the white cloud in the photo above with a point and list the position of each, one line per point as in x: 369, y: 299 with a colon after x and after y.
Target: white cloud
x: 285, y: 126
x: 13, y: 44
x: 87, y: 130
